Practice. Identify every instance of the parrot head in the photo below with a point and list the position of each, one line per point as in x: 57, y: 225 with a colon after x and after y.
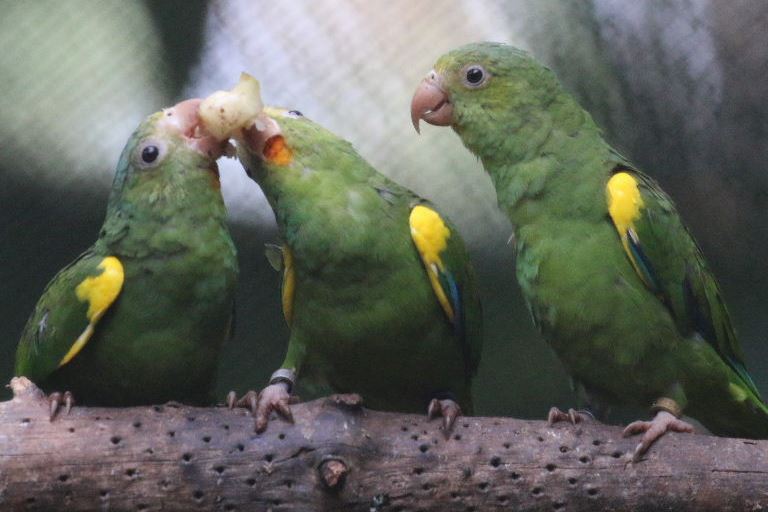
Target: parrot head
x: 481, y: 85
x: 168, y: 161
x: 283, y: 144
x: 275, y: 145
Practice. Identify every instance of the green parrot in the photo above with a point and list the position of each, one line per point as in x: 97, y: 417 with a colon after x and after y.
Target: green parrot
x: 140, y: 316
x: 378, y: 290
x: 612, y: 277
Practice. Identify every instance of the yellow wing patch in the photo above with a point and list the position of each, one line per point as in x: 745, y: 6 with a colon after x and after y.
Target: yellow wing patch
x: 289, y: 284
x: 624, y: 206
x: 100, y: 292
x: 430, y: 235
x: 624, y: 201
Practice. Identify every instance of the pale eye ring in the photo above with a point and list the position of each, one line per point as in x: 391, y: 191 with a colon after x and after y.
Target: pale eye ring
x: 475, y: 76
x: 150, y: 153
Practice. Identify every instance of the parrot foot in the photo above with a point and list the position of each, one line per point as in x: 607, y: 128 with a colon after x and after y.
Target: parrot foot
x: 248, y: 401
x: 446, y: 408
x: 573, y: 416
x: 56, y: 399
x: 274, y: 397
x: 652, y: 430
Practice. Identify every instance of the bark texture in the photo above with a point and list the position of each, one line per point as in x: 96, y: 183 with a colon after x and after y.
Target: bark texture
x: 340, y: 456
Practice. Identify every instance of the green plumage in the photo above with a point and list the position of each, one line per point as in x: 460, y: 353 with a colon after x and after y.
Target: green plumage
x: 365, y: 318
x: 160, y: 339
x: 627, y: 335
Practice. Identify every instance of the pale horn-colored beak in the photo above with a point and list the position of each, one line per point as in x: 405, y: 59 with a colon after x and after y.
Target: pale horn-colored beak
x: 264, y: 139
x: 261, y: 131
x: 431, y: 103
x: 184, y: 119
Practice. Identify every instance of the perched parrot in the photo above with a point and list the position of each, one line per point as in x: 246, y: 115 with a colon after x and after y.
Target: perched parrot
x: 140, y: 316
x: 378, y: 290
x: 613, y: 279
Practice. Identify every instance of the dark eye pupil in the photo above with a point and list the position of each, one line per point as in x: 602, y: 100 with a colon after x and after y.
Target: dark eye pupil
x: 149, y: 154
x: 295, y: 113
x: 474, y: 75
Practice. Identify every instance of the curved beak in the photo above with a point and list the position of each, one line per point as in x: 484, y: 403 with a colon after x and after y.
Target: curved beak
x: 256, y: 136
x: 184, y: 119
x: 431, y: 102
x: 264, y: 139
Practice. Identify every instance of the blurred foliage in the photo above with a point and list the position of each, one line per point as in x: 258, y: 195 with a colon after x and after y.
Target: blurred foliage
x: 677, y: 85
x: 77, y: 78
x: 179, y: 24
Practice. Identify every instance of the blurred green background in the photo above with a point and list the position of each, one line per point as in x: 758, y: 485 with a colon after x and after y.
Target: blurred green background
x: 679, y: 86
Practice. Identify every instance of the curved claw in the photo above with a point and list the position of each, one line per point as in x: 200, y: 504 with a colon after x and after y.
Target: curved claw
x: 248, y: 401
x: 274, y: 397
x: 652, y: 430
x: 448, y: 409
x: 55, y: 400
x: 573, y: 416
x: 231, y: 400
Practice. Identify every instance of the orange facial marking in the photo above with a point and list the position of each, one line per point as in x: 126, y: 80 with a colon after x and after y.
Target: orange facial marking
x: 276, y: 151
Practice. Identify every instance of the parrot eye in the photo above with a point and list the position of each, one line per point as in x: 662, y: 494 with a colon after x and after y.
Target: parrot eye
x: 295, y: 114
x: 151, y: 153
x: 475, y: 76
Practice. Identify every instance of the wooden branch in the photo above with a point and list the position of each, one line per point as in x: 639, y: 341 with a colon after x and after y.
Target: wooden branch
x: 339, y: 456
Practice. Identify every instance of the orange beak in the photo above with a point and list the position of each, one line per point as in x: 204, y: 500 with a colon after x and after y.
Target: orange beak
x: 431, y: 102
